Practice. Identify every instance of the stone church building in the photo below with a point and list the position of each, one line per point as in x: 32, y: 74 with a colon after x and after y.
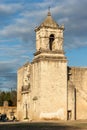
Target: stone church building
x: 47, y: 88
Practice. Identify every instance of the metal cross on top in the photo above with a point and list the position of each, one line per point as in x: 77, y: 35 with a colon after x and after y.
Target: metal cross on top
x: 49, y: 9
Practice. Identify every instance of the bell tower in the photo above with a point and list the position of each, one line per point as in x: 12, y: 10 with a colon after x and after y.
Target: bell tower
x: 49, y: 36
x: 49, y: 71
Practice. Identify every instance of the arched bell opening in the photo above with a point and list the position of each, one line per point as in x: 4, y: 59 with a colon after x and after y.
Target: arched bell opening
x: 51, y: 39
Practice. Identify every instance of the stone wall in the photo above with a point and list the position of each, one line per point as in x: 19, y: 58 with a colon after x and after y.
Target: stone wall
x: 49, y: 84
x: 23, y: 89
x: 53, y: 86
x: 78, y: 98
x: 20, y: 75
x: 9, y: 111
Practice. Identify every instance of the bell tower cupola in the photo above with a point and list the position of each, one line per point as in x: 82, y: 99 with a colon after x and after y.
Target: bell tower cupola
x: 49, y: 35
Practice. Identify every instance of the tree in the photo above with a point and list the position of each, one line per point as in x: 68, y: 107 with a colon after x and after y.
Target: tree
x: 10, y: 96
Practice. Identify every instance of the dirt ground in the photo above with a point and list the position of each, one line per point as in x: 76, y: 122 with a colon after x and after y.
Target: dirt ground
x: 57, y: 125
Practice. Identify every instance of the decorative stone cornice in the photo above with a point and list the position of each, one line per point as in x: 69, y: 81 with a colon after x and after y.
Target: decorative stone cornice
x: 51, y: 58
x: 49, y: 51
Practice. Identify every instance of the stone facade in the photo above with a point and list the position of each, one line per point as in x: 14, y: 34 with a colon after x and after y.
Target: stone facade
x: 47, y: 88
x: 8, y: 110
x: 23, y: 91
x: 77, y: 92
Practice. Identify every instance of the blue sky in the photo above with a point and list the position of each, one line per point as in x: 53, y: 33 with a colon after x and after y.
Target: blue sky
x: 18, y: 19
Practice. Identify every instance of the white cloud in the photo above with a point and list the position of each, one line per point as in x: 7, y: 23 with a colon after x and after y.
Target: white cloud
x: 10, y: 8
x: 15, y: 31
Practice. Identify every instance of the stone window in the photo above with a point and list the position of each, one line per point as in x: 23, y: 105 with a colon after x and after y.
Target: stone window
x: 69, y: 114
